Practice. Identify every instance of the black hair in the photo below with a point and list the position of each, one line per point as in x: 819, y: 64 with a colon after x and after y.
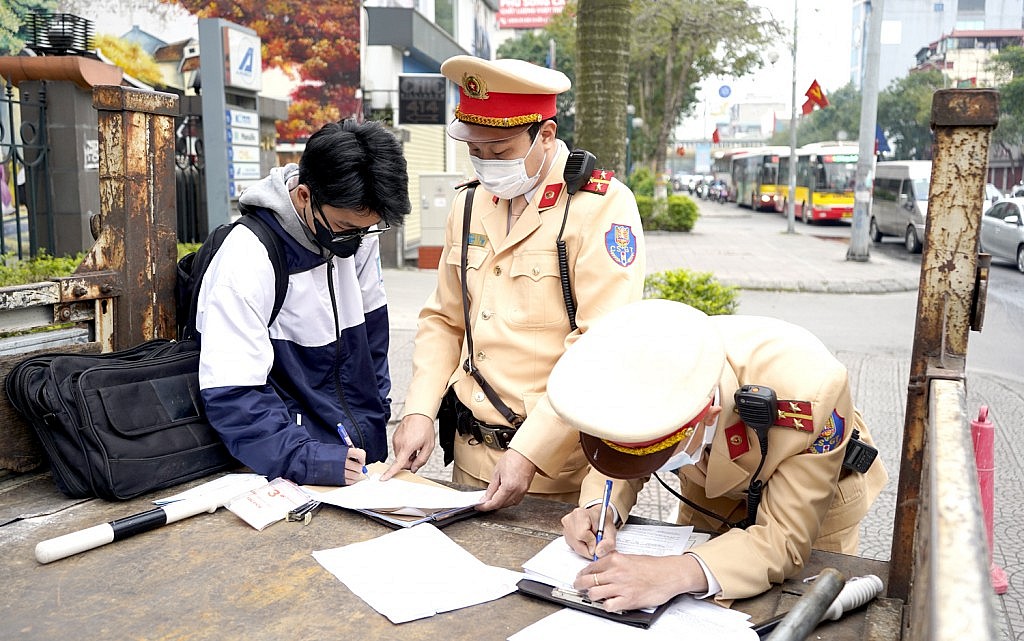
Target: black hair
x: 535, y: 127
x: 357, y: 166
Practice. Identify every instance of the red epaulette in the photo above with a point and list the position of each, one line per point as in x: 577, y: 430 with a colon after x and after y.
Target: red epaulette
x: 598, y: 183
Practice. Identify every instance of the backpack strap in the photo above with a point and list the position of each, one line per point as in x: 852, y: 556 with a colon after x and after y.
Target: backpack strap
x: 194, y: 266
x: 275, y: 250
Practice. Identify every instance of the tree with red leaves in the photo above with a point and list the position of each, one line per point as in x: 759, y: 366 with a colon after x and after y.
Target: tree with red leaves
x: 317, y: 41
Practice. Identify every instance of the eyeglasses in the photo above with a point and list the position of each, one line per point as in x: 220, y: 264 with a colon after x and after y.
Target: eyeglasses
x: 349, y: 234
x: 362, y: 232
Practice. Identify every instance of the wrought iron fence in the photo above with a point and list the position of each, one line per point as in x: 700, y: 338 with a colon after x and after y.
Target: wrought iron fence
x: 25, y: 170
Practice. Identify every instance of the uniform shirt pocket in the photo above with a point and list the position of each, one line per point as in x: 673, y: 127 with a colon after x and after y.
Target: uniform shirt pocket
x: 475, y: 257
x: 536, y: 297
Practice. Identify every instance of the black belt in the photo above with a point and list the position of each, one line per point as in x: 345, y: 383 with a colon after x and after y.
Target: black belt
x: 493, y: 436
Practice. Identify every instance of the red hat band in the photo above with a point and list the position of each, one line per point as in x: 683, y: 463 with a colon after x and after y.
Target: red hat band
x: 496, y: 109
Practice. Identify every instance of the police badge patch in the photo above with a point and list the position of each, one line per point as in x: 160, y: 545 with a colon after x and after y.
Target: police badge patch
x: 621, y: 244
x: 831, y: 435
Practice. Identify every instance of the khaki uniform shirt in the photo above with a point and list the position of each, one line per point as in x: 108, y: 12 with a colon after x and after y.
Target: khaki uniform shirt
x: 808, y: 499
x: 519, y: 322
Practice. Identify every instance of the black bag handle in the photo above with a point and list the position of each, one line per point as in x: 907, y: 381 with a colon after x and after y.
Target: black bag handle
x: 513, y: 419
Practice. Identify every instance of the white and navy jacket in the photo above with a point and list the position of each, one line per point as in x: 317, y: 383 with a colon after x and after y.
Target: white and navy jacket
x: 257, y: 381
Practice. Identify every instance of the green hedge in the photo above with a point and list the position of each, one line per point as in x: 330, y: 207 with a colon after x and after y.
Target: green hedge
x: 697, y: 289
x: 680, y: 215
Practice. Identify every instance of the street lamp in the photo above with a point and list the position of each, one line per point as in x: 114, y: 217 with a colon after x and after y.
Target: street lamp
x: 631, y: 122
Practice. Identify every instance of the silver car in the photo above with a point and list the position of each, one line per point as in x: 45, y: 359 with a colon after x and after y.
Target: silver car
x: 1002, y: 231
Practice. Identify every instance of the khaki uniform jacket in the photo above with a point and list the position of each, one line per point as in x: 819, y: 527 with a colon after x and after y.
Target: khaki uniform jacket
x: 519, y: 321
x: 808, y: 499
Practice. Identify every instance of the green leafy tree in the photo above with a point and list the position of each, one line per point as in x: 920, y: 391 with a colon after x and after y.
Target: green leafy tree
x: 904, y: 113
x: 1009, y: 134
x: 535, y: 46
x: 12, y: 22
x: 602, y: 72
x: 678, y: 43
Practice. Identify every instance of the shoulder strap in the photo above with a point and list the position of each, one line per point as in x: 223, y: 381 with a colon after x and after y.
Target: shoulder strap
x: 513, y: 419
x: 275, y: 250
x: 195, y: 265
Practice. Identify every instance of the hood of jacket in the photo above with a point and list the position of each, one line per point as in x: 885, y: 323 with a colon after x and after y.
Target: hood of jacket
x: 272, y: 192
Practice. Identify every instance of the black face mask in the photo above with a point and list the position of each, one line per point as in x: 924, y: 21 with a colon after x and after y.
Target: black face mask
x: 342, y: 245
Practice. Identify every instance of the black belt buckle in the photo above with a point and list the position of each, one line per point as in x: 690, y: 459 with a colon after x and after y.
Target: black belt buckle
x: 495, y: 436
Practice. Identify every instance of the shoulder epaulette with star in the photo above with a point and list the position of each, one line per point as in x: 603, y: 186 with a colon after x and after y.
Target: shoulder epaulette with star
x: 797, y: 415
x: 599, y: 180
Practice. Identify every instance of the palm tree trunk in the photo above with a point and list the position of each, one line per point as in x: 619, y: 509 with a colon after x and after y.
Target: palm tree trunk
x: 602, y: 79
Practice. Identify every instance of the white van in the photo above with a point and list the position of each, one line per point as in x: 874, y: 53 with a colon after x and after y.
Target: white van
x: 899, y: 201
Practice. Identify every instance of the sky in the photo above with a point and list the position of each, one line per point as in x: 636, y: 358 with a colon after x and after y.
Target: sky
x: 823, y: 45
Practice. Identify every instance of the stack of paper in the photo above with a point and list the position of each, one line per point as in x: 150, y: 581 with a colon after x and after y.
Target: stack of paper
x: 402, y: 501
x: 685, y: 618
x: 446, y: 576
x: 557, y: 565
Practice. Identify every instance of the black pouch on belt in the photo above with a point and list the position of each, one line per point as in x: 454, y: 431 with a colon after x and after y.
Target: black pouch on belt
x: 447, y: 424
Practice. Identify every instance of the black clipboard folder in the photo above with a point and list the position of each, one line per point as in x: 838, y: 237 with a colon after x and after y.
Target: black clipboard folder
x: 579, y: 601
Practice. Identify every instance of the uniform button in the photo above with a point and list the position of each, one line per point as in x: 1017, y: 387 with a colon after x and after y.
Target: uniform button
x: 536, y: 271
x: 497, y: 270
x: 478, y: 397
x: 480, y: 356
x: 487, y: 314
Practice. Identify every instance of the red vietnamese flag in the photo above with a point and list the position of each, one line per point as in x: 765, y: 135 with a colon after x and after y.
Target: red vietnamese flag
x: 715, y: 138
x: 816, y: 95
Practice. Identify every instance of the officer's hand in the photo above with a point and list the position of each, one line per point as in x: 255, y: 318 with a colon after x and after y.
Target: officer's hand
x: 628, y: 581
x: 412, y: 443
x: 354, y: 463
x: 511, y: 480
x: 580, y: 530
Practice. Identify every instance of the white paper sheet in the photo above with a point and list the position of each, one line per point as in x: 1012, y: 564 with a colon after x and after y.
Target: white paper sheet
x: 445, y: 577
x: 686, y: 618
x: 374, y: 494
x: 557, y: 564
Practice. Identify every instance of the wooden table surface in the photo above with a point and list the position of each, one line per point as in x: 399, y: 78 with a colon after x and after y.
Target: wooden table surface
x: 213, y: 576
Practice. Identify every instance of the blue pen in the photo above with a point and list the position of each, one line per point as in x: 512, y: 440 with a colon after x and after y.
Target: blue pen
x: 604, y: 513
x: 343, y: 433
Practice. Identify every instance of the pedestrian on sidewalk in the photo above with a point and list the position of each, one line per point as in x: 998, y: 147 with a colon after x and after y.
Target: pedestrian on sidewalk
x: 521, y: 313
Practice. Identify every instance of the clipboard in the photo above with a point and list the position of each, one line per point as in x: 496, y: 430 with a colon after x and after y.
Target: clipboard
x: 438, y: 519
x: 396, y: 520
x: 579, y: 601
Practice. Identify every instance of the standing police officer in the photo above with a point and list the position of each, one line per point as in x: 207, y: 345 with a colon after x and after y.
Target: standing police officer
x: 516, y: 305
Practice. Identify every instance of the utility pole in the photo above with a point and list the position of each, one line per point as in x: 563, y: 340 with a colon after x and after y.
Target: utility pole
x: 792, y: 138
x: 859, y: 249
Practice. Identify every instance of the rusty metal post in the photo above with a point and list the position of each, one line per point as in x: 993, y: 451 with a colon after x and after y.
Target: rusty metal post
x: 962, y: 120
x: 135, y: 230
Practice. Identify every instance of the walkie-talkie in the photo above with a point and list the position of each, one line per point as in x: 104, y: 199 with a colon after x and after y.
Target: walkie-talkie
x: 758, y: 407
x: 578, y: 169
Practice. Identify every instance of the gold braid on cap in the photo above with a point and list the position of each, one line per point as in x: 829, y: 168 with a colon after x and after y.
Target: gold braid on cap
x: 491, y: 121
x: 651, y: 449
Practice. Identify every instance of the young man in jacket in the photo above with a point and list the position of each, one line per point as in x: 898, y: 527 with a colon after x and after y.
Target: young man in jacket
x: 306, y: 398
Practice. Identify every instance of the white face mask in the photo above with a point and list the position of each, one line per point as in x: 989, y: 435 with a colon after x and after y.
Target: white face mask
x: 683, y: 458
x: 507, y: 179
